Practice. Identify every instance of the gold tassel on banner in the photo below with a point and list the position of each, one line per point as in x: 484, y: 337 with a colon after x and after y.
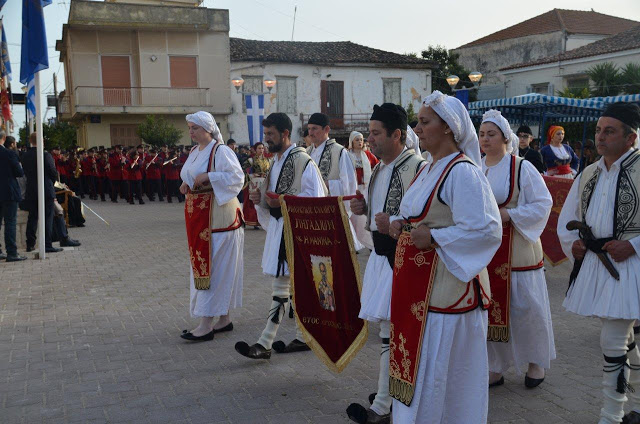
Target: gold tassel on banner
x: 401, y: 390
x: 202, y: 283
x: 498, y: 334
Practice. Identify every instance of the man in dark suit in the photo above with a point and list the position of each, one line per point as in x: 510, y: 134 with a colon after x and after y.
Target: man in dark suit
x: 525, y: 136
x: 10, y: 196
x: 29, y: 163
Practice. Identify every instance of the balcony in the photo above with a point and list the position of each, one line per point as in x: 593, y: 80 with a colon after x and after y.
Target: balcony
x: 139, y: 100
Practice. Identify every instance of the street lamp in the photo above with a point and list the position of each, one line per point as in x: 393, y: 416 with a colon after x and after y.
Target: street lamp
x: 474, y: 77
x: 237, y: 83
x: 269, y: 83
x: 452, y: 80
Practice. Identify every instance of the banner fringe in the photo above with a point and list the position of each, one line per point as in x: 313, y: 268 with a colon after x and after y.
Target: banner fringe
x: 401, y: 390
x: 202, y: 283
x: 498, y: 333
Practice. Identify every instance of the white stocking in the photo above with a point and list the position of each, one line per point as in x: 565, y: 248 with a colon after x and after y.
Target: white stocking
x: 276, y: 312
x: 382, y: 403
x: 634, y: 374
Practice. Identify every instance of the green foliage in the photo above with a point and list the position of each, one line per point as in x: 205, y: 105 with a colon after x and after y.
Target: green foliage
x: 447, y: 65
x: 411, y: 113
x: 156, y: 131
x: 60, y: 134
x: 630, y: 78
x: 605, y: 78
x: 575, y: 93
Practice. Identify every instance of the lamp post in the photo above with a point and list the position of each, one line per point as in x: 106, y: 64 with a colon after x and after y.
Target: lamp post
x: 463, y: 93
x: 239, y: 82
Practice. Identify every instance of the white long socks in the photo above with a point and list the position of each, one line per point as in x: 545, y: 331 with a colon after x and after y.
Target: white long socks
x: 634, y: 374
x: 382, y: 403
x: 280, y: 289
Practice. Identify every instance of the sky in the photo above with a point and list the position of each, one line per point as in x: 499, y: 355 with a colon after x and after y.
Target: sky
x: 409, y: 28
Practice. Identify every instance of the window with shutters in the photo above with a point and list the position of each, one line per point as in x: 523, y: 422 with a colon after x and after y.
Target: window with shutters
x: 542, y: 88
x: 116, y: 80
x: 391, y: 90
x: 183, y: 71
x: 125, y: 134
x: 252, y: 84
x: 286, y: 94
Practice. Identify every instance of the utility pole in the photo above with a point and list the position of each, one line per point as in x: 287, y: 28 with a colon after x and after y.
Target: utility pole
x: 55, y: 92
x: 295, y: 10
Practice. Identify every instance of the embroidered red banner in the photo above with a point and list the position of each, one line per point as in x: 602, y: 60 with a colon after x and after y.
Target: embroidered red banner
x: 413, y: 277
x: 197, y: 216
x: 325, y: 277
x: 500, y: 279
x: 559, y: 189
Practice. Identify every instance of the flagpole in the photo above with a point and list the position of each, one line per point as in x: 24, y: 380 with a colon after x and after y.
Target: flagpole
x: 40, y: 162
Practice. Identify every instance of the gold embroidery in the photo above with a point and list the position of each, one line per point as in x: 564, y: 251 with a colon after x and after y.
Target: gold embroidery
x: 190, y: 204
x: 205, y: 234
x: 394, y: 368
x: 496, y: 312
x: 419, y: 259
x: 406, y: 362
x: 502, y: 271
x: 417, y: 309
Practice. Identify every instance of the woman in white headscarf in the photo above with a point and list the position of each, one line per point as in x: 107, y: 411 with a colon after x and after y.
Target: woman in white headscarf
x: 520, y: 331
x: 449, y: 208
x: 212, y: 179
x: 363, y: 159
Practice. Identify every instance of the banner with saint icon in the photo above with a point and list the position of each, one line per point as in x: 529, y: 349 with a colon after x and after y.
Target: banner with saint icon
x: 325, y: 277
x: 559, y: 189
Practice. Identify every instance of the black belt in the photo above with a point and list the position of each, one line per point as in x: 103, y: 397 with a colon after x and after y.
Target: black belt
x: 385, y: 245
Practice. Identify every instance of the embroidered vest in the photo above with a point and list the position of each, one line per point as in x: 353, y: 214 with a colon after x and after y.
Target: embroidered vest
x: 404, y: 171
x: 290, y: 177
x: 525, y: 256
x: 626, y: 216
x: 329, y: 164
x: 450, y: 295
x: 225, y: 217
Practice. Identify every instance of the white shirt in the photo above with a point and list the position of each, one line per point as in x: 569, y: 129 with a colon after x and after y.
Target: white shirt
x: 347, y: 184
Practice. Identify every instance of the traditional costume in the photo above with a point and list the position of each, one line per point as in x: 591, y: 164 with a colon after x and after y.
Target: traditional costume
x: 438, y: 350
x: 607, y: 201
x: 560, y: 161
x: 520, y: 330
x: 364, y: 161
x: 389, y: 182
x: 214, y: 224
x: 294, y: 173
x: 258, y: 169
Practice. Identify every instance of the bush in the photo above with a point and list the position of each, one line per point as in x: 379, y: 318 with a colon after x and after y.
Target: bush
x: 157, y: 132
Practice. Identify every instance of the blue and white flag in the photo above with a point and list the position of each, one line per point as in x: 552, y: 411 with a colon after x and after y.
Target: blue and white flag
x: 5, y: 63
x: 255, y: 115
x: 2, y: 2
x: 31, y: 98
x: 35, y: 55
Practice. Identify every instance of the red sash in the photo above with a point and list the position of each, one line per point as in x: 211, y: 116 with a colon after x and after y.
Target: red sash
x: 559, y: 170
x: 500, y: 279
x: 198, y: 209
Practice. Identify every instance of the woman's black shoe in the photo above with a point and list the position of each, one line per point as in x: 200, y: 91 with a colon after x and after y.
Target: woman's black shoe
x: 530, y: 383
x: 497, y: 383
x: 188, y: 336
x: 224, y: 329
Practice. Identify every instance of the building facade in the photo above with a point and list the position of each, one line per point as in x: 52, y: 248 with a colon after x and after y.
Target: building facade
x: 124, y: 61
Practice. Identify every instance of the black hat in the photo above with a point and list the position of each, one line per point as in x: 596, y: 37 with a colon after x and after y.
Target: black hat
x: 524, y: 129
x: 627, y: 113
x: 393, y: 116
x: 319, y: 119
x: 279, y: 120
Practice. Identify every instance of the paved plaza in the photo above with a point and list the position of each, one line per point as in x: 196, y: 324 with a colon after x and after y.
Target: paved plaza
x: 92, y: 335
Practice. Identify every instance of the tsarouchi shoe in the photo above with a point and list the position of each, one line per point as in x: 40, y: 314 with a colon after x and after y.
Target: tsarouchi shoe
x: 295, y: 346
x: 361, y: 415
x: 257, y: 351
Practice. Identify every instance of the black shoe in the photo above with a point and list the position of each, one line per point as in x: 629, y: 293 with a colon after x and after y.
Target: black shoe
x: 114, y: 200
x: 52, y: 249
x: 361, y: 415
x: 69, y: 242
x: 498, y: 383
x: 169, y: 201
x: 295, y: 346
x: 161, y: 199
x: 16, y: 258
x: 3, y: 256
x: 31, y: 248
x: 257, y: 351
x: 188, y: 336
x: 224, y: 329
x: 141, y: 202
x: 631, y: 418
x: 530, y: 383
x: 103, y: 199
x: 132, y: 202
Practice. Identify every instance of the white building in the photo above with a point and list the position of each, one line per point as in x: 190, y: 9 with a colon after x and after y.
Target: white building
x: 551, y: 74
x: 342, y: 79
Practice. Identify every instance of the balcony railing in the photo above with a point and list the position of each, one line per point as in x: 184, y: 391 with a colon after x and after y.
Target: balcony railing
x: 345, y: 123
x: 141, y: 96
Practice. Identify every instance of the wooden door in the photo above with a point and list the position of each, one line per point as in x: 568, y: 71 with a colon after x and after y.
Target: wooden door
x: 332, y: 102
x: 125, y: 134
x: 116, y: 80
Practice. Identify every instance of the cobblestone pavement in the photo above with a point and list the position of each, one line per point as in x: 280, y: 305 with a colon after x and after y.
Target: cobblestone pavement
x: 91, y: 335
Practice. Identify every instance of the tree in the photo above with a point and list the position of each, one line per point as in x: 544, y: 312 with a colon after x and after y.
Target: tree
x: 411, y: 113
x: 58, y: 133
x: 630, y: 78
x: 447, y: 65
x: 575, y: 93
x: 606, y: 79
x: 155, y: 130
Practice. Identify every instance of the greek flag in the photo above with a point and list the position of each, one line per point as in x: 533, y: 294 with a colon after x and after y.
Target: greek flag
x: 35, y: 56
x: 31, y: 98
x: 5, y: 63
x: 255, y: 115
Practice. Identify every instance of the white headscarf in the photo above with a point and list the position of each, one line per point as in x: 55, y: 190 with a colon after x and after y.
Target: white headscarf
x: 352, y: 136
x: 453, y: 112
x: 496, y: 117
x: 412, y: 141
x: 205, y: 120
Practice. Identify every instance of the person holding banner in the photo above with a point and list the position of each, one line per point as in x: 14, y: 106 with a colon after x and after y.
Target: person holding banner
x: 212, y: 179
x: 294, y: 173
x: 520, y: 330
x: 438, y: 365
x: 598, y: 228
x: 559, y: 159
x: 258, y: 169
x: 390, y: 179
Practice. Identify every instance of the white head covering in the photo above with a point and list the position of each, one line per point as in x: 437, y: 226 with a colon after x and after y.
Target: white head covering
x: 453, y: 112
x: 353, y: 135
x: 496, y: 117
x: 205, y: 120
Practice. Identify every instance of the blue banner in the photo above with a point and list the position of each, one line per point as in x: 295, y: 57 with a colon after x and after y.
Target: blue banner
x: 255, y: 115
x: 463, y: 96
x: 5, y: 63
x: 35, y: 56
x: 31, y: 98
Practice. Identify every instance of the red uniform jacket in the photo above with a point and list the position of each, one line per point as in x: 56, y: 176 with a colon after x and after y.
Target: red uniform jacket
x: 115, y: 173
x: 153, y: 170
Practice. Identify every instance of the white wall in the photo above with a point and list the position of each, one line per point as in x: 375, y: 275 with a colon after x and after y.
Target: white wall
x: 578, y: 40
x: 362, y: 89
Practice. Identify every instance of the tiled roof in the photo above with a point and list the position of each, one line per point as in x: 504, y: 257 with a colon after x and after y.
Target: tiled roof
x: 571, y: 21
x: 627, y: 40
x: 317, y: 53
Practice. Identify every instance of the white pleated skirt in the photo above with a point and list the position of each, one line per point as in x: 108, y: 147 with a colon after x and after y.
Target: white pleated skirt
x: 375, y: 299
x: 531, y: 330
x: 225, y: 291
